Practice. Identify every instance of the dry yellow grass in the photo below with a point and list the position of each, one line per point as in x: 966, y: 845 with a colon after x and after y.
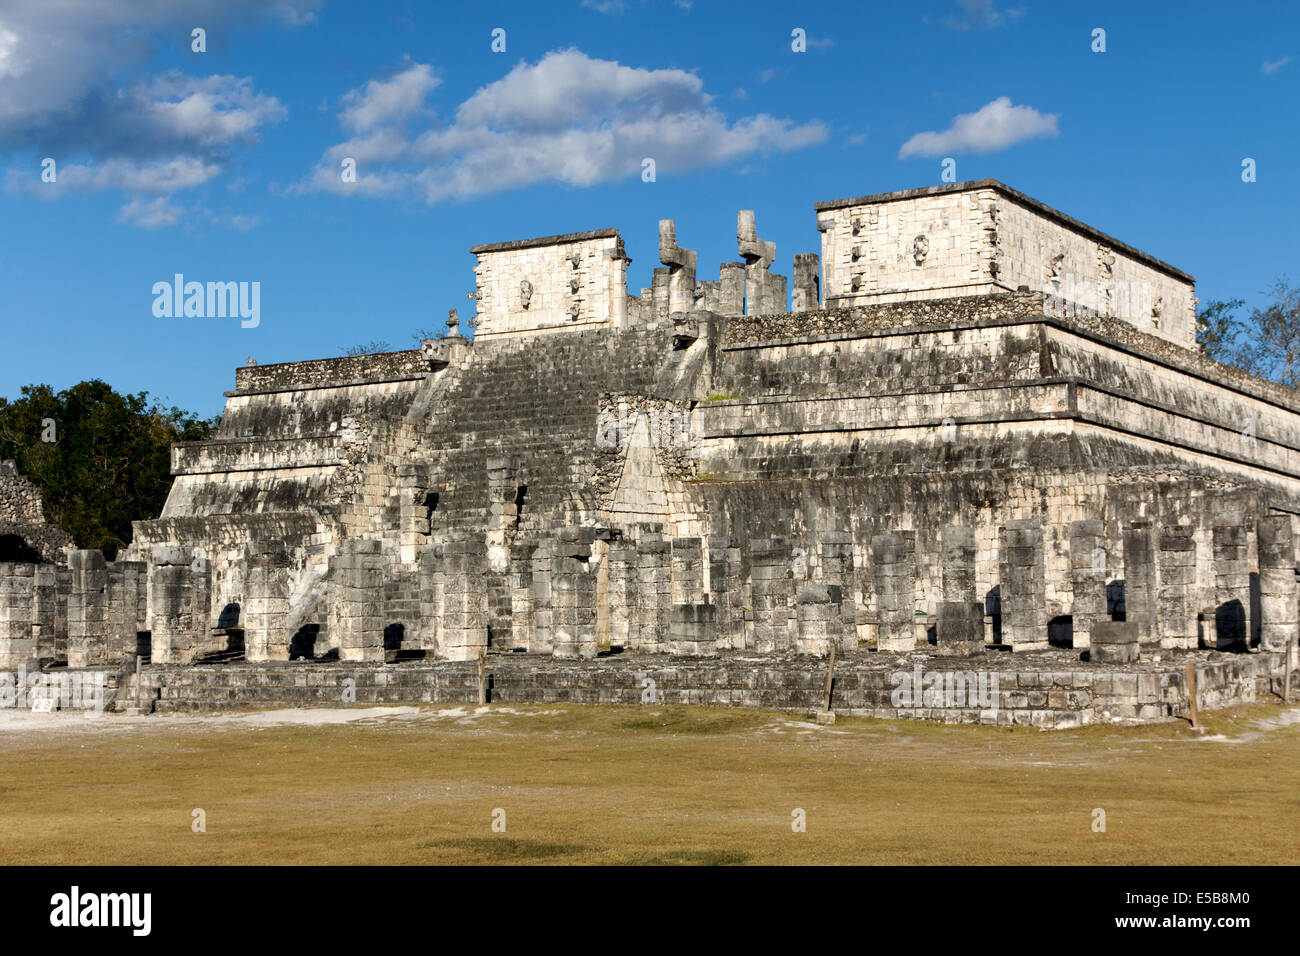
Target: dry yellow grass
x: 641, y: 786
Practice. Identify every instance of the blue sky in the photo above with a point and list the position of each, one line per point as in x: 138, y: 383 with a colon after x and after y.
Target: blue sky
x: 224, y: 165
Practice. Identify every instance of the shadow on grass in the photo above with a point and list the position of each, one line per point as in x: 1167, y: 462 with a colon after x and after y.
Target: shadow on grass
x: 683, y: 720
x: 502, y: 849
x: 686, y: 858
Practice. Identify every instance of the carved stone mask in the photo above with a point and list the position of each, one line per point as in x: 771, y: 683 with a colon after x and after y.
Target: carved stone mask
x: 525, y: 293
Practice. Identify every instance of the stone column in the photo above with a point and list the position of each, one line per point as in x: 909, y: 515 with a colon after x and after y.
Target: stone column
x: 45, y: 599
x: 687, y: 563
x: 654, y: 594
x: 731, y: 278
x: 1114, y: 642
x: 1176, y: 568
x: 521, y: 595
x: 659, y: 282
x: 87, y: 617
x: 893, y: 558
x: 175, y: 593
x: 1023, y: 586
x: 807, y: 269
x: 724, y: 593
x: 1140, y: 584
x: 837, y: 572
x: 17, y: 600
x: 622, y: 592
x: 1231, y: 587
x: 1088, y: 578
x: 463, y: 627
x: 540, y: 565
x: 430, y: 577
x: 691, y: 630
x: 122, y: 612
x: 573, y: 588
x: 959, y: 630
x: 818, y: 619
x: 769, y: 570
x: 1279, y: 627
x: 681, y: 263
x: 358, y: 571
x: 266, y: 605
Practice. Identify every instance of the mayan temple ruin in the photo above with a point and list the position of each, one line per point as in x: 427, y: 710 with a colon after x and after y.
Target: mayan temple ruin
x: 970, y: 434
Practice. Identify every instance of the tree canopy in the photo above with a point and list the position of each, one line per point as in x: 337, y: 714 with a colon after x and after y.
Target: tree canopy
x: 100, y: 459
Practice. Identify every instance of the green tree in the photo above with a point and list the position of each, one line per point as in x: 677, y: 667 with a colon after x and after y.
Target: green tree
x: 1218, y: 330
x: 109, y: 462
x: 1275, y: 336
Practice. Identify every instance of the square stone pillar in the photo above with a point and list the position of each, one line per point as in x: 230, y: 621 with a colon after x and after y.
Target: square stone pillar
x: 45, y: 611
x: 88, y: 640
x: 1231, y: 588
x: 893, y: 559
x: 836, y: 567
x: 818, y: 619
x: 121, y: 610
x: 463, y: 625
x: 1088, y: 572
x: 428, y: 571
x: 731, y: 279
x: 773, y: 593
x: 358, y: 593
x: 541, y: 565
x: 1023, y: 588
x: 1114, y: 642
x: 1140, y: 582
x: 521, y: 594
x: 17, y: 606
x: 1279, y: 626
x: 687, y: 558
x: 171, y: 615
x: 1176, y: 570
x: 622, y: 592
x: 266, y: 605
x: 573, y: 588
x: 807, y: 280
x: 654, y: 594
x: 959, y: 630
x: 690, y: 630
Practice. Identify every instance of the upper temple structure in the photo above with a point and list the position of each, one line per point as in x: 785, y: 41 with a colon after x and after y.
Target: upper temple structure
x: 969, y: 421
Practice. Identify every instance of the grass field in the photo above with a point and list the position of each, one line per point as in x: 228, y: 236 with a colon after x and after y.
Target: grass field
x: 641, y: 786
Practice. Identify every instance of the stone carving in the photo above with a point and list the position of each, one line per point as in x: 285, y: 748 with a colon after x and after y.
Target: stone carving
x: 1052, y: 271
x: 525, y: 293
x: 920, y: 249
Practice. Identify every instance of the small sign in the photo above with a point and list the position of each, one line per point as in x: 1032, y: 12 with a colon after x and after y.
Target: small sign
x: 42, y: 705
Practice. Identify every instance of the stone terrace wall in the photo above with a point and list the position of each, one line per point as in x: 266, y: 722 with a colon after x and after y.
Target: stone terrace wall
x: 1050, y: 693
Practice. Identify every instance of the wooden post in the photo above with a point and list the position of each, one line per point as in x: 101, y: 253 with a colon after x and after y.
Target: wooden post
x: 1191, y: 695
x: 830, y: 676
x: 482, y: 677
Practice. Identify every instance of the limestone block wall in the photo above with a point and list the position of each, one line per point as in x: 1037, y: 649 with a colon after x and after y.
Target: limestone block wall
x: 555, y: 282
x: 20, y: 500
x: 977, y: 238
x: 17, y: 609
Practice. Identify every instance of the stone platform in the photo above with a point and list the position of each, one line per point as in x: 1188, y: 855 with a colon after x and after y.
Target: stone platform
x: 1050, y: 690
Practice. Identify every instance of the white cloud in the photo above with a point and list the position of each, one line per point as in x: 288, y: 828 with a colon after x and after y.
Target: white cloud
x: 982, y: 15
x: 568, y: 118
x: 1269, y: 67
x: 382, y: 101
x: 156, y: 213
x: 994, y: 126
x: 61, y: 96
